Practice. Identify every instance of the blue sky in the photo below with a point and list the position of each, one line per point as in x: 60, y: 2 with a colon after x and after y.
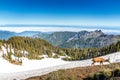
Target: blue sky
x: 61, y: 12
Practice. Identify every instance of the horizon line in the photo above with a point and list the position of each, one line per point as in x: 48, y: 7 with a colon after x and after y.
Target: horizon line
x: 59, y: 29
x: 53, y: 25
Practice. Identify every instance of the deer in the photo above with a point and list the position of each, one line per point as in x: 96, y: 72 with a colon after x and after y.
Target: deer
x: 100, y: 60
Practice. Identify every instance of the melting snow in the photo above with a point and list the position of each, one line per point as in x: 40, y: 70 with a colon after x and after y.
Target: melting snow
x: 7, y: 67
x: 46, y: 64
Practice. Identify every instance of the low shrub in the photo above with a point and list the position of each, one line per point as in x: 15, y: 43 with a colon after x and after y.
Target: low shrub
x: 59, y: 75
x: 116, y: 72
x: 56, y: 56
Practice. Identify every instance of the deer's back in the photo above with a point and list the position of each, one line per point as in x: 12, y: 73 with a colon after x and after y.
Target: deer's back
x: 98, y: 59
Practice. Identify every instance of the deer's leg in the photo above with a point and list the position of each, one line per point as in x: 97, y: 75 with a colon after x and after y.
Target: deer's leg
x: 93, y: 64
x: 101, y: 63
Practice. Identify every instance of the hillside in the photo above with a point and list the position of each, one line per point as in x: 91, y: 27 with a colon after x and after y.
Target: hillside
x: 25, y: 47
x: 58, y: 38
x: 105, y: 72
x: 31, y: 68
x: 36, y: 48
x: 82, y: 39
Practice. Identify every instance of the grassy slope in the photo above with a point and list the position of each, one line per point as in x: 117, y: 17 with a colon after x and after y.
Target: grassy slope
x: 79, y: 73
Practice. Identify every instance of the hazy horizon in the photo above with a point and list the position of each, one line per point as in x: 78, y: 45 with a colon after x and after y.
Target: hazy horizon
x: 58, y: 28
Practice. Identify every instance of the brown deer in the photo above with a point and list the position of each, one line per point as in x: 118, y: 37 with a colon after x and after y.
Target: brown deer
x: 100, y: 60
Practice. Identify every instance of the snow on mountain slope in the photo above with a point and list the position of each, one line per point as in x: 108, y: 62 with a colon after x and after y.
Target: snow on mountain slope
x: 31, y: 68
x: 39, y: 67
x: 27, y: 64
x: 7, y: 67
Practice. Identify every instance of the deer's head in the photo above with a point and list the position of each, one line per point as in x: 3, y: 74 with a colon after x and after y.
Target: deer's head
x: 107, y: 60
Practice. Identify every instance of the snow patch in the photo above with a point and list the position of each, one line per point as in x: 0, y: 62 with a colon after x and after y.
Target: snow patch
x: 27, y: 65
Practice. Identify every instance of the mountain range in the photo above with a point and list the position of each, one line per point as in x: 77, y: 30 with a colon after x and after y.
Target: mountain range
x: 5, y: 35
x: 81, y: 39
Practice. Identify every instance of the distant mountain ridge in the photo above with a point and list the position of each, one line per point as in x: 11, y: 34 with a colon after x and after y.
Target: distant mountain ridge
x: 66, y: 39
x: 27, y: 33
x: 5, y: 35
x: 94, y: 39
x: 82, y: 39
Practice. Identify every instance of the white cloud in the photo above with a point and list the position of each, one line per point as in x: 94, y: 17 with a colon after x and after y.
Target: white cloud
x: 44, y: 29
x: 52, y: 29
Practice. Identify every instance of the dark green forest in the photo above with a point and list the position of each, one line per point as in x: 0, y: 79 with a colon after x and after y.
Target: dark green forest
x: 34, y: 46
x: 37, y: 47
x: 86, y: 53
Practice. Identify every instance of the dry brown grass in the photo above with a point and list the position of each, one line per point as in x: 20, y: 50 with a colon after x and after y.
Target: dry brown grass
x: 78, y: 73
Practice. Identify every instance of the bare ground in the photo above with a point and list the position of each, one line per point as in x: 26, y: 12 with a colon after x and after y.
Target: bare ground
x: 80, y: 73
